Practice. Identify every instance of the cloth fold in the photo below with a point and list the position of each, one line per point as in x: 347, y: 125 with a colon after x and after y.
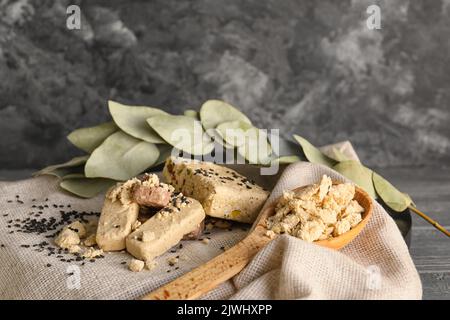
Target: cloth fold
x: 375, y: 265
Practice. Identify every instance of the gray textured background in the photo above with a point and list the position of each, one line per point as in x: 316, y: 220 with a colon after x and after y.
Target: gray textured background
x: 306, y: 67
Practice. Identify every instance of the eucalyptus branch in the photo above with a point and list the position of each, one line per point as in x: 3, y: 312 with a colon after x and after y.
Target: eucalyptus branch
x: 430, y: 221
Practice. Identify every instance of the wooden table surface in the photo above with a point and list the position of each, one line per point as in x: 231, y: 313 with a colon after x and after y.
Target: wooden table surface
x: 430, y: 249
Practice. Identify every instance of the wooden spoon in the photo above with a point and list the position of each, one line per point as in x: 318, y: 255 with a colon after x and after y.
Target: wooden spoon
x: 202, y: 279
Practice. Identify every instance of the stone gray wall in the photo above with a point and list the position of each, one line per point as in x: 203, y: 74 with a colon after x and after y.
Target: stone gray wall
x: 306, y: 67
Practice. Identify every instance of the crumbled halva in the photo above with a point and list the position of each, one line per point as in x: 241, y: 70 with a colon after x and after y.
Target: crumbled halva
x: 136, y: 265
x: 90, y: 253
x: 67, y: 238
x: 317, y: 212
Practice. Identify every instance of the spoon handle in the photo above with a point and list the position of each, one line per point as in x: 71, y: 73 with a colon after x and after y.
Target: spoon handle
x: 202, y: 279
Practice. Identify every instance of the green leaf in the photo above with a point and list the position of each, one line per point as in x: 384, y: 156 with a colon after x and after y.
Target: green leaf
x: 217, y: 137
x: 338, y: 155
x: 84, y: 187
x: 132, y: 120
x: 357, y: 173
x: 313, y: 154
x: 256, y: 148
x: 87, y: 139
x: 390, y: 195
x: 233, y: 132
x: 191, y: 113
x: 287, y: 159
x: 181, y: 132
x: 59, y: 170
x: 408, y: 197
x: 121, y: 157
x: 215, y: 112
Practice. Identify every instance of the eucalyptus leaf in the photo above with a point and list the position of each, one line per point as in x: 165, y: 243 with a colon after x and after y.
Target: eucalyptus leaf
x: 233, y: 132
x: 287, y: 159
x: 89, y: 138
x: 313, y: 154
x: 217, y: 137
x: 359, y: 174
x: 191, y: 113
x: 390, y: 195
x: 132, y: 120
x: 121, y: 157
x: 256, y: 148
x: 408, y: 197
x: 85, y: 187
x: 182, y: 132
x: 338, y: 155
x: 60, y: 170
x: 215, y: 112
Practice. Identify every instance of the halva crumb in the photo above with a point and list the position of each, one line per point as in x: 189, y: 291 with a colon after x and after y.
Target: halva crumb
x: 136, y: 265
x: 316, y: 212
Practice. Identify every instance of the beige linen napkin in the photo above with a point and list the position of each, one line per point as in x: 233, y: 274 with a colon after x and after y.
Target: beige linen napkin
x: 375, y: 265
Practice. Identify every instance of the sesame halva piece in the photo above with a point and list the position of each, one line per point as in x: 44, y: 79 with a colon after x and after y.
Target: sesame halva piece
x: 311, y: 231
x: 289, y: 222
x: 353, y: 208
x: 150, y: 265
x: 327, y: 233
x: 136, y: 265
x: 78, y: 227
x: 90, y: 241
x: 172, y: 261
x: 123, y: 192
x: 353, y: 219
x: 92, y: 253
x: 270, y: 234
x: 74, y: 249
x: 307, y: 193
x: 148, y: 236
x: 324, y: 187
x: 327, y: 216
x: 67, y: 238
x: 342, y: 226
x: 150, y: 180
x: 342, y: 193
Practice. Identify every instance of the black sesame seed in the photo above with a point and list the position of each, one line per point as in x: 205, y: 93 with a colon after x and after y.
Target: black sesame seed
x: 48, y: 265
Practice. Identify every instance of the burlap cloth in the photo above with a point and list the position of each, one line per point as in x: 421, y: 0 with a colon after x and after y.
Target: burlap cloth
x: 376, y: 265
